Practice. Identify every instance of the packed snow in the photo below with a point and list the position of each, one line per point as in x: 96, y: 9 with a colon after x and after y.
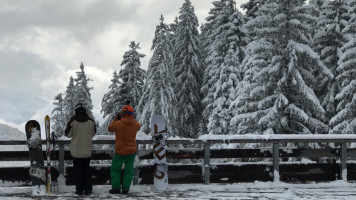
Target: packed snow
x: 338, y: 190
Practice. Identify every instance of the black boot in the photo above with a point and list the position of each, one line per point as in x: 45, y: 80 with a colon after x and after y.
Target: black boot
x: 115, y: 191
x: 125, y: 191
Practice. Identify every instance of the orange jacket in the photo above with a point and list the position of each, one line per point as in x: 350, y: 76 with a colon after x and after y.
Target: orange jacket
x: 125, y: 134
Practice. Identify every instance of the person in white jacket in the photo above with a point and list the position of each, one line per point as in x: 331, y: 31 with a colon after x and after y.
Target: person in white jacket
x: 81, y: 128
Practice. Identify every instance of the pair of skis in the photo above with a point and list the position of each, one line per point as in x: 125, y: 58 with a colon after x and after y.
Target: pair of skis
x: 40, y: 183
x: 48, y: 153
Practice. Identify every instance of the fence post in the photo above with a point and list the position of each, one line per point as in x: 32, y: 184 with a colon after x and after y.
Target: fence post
x: 276, y: 162
x: 61, y: 159
x: 135, y: 172
x: 206, y: 166
x: 343, y: 158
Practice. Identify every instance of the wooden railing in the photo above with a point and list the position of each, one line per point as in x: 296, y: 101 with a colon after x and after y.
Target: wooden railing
x: 272, y: 161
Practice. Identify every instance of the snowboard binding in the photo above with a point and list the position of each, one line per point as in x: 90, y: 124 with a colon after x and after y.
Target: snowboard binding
x: 157, y: 138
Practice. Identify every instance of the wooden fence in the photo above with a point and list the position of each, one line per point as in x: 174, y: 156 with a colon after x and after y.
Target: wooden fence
x: 205, y: 162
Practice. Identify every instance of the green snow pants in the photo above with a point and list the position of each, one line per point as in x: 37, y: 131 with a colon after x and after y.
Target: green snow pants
x: 116, y: 167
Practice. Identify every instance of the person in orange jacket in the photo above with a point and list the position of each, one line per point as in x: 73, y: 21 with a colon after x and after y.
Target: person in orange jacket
x: 125, y: 130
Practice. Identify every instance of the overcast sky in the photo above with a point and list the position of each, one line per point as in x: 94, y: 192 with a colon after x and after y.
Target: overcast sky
x: 43, y: 42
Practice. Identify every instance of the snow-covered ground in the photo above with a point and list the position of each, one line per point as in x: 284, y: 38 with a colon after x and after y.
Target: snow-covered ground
x: 338, y: 190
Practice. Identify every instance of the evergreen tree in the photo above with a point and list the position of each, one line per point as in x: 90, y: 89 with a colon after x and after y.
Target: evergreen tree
x: 252, y: 8
x: 224, y: 55
x: 344, y: 122
x: 276, y: 95
x: 58, y: 116
x: 317, y: 3
x: 132, y: 75
x: 327, y: 42
x: 188, y: 71
x: 315, y: 8
x: 206, y: 38
x: 110, y: 104
x: 172, y: 30
x: 158, y: 94
x: 69, y: 100
x: 82, y: 91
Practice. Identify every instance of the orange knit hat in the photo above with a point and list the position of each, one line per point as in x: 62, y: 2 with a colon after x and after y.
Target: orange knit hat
x: 128, y: 109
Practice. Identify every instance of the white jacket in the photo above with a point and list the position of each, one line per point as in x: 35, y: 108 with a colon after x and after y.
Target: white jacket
x: 82, y: 134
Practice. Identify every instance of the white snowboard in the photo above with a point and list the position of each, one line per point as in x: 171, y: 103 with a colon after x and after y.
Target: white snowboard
x: 160, y: 172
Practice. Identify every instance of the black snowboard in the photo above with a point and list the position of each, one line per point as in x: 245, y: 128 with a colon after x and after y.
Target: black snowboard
x: 37, y: 171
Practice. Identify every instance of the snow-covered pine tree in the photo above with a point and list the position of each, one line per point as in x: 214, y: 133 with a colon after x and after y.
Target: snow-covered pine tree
x: 279, y: 98
x: 315, y: 12
x: 158, y: 96
x: 317, y: 3
x: 69, y: 100
x: 110, y: 104
x: 252, y: 7
x: 344, y: 122
x: 132, y: 76
x: 206, y: 41
x: 188, y: 71
x: 58, y: 118
x: 327, y: 43
x: 224, y: 56
x: 172, y: 30
x: 82, y: 91
x: 207, y: 37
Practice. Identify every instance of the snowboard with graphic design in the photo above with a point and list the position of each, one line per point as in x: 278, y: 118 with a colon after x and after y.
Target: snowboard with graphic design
x: 37, y: 170
x: 160, y: 171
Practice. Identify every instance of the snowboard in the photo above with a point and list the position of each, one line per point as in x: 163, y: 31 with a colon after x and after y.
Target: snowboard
x: 160, y: 171
x: 37, y: 170
x: 48, y: 153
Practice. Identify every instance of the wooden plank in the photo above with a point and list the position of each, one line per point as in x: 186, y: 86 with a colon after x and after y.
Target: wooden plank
x: 174, y: 154
x: 237, y: 139
x: 241, y: 173
x: 351, y: 153
x: 15, y: 174
x: 301, y: 173
x: 19, y: 176
x: 24, y: 155
x: 351, y: 171
x: 309, y: 153
x: 192, y: 154
x: 182, y: 174
x: 220, y: 173
x: 14, y: 156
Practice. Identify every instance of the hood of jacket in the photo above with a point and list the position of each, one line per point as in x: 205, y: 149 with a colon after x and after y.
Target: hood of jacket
x: 128, y: 120
x: 81, y: 117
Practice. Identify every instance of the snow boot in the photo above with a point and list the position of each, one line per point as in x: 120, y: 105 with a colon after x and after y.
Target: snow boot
x: 125, y: 191
x: 115, y: 191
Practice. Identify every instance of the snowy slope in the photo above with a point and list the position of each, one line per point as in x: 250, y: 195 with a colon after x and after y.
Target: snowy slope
x: 11, y: 133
